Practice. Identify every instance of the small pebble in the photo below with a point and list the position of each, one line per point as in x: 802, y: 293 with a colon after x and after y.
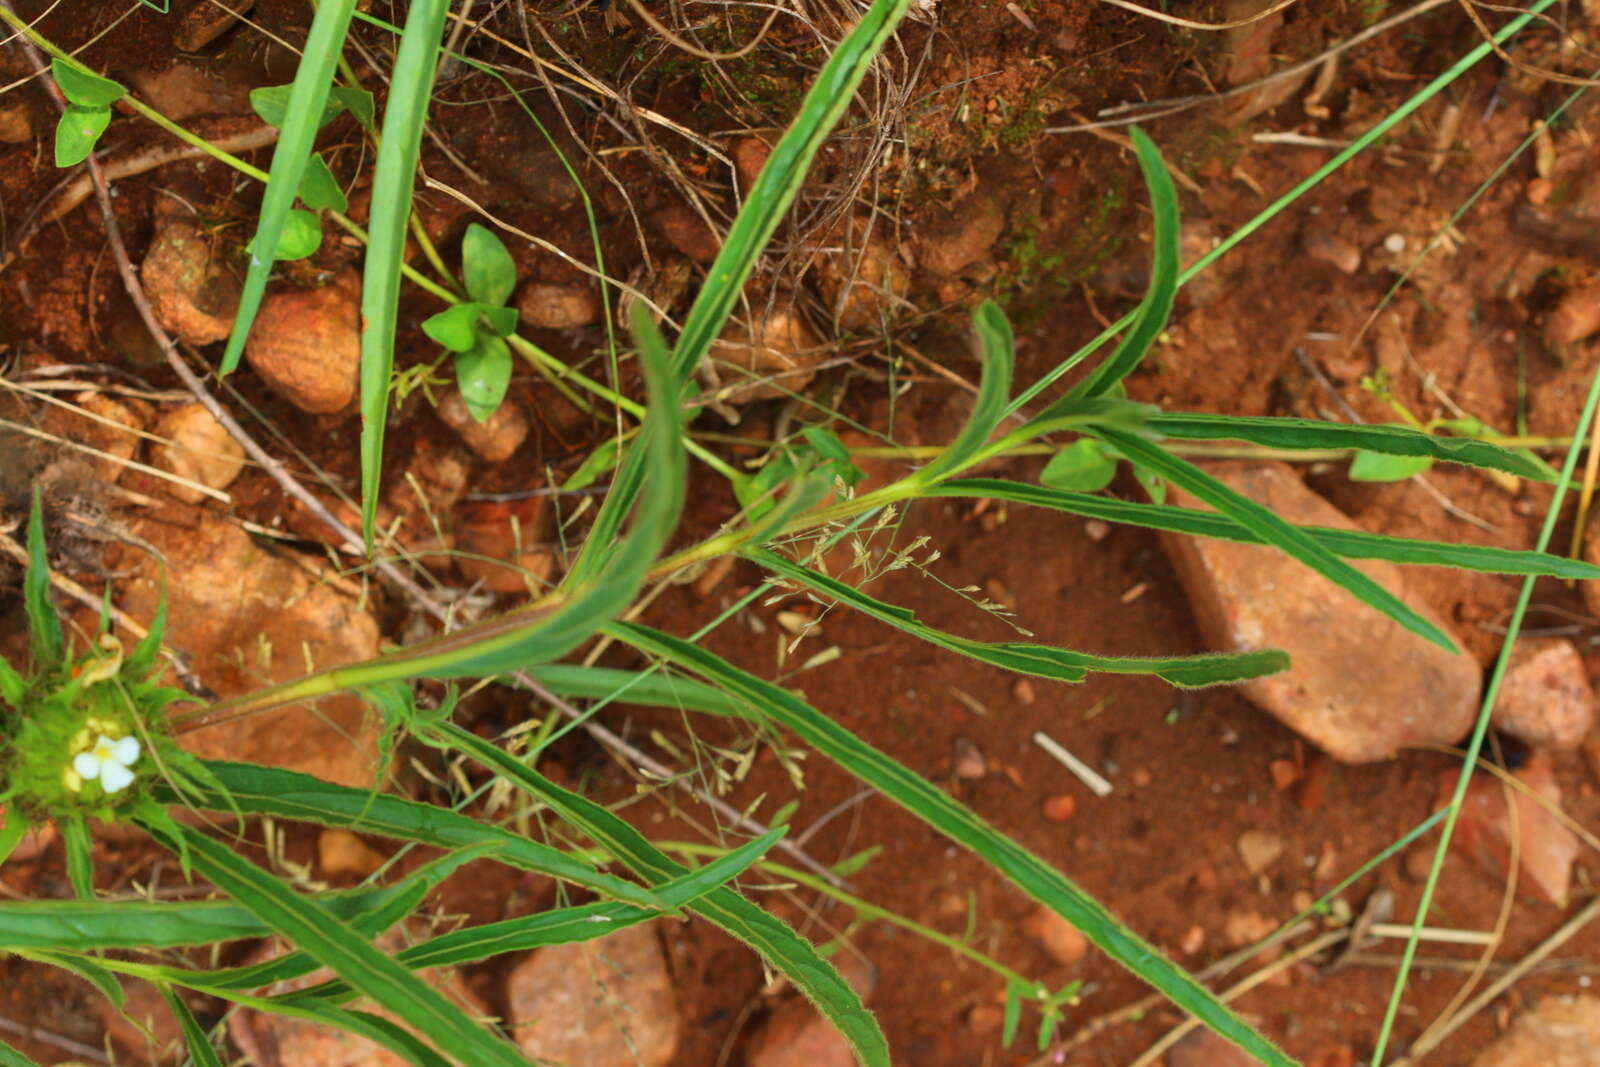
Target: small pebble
x: 197, y: 448
x: 1023, y: 691
x: 969, y: 763
x: 1097, y: 530
x: 341, y: 852
x: 1059, y: 808
x: 1258, y: 849
x: 1140, y: 777
x: 1064, y: 942
x: 1395, y: 243
x: 985, y: 1020
x: 1284, y: 773
x: 496, y: 439
x: 1193, y: 940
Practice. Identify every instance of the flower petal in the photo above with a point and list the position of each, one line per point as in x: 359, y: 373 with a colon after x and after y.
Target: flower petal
x: 87, y: 765
x: 114, y: 776
x: 126, y: 751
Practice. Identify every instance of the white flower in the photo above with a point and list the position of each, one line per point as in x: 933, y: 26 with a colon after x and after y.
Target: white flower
x: 108, y: 761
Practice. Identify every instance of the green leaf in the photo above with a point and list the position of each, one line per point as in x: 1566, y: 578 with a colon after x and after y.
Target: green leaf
x: 44, y: 629
x: 90, y: 970
x: 1377, y: 467
x: 80, y: 856
x: 405, y: 112
x: 82, y: 87
x: 998, y: 348
x: 775, y: 187
x: 556, y: 927
x: 13, y: 686
x: 934, y: 806
x: 812, y: 975
x: 454, y: 326
x: 300, y: 236
x: 10, y: 1057
x: 358, y: 100
x: 652, y: 688
x: 1083, y: 465
x: 486, y: 267
x: 483, y: 373
x: 271, y: 104
x: 629, y: 482
x: 199, y: 1045
x: 316, y: 932
x: 12, y: 831
x: 105, y: 924
x: 1273, y: 531
x: 267, y: 791
x: 827, y: 445
x: 77, y: 131
x: 1356, y: 544
x: 1059, y: 664
x: 1310, y: 434
x: 319, y: 189
x: 600, y: 461
x: 308, y: 96
x: 1158, y: 298
x: 501, y: 322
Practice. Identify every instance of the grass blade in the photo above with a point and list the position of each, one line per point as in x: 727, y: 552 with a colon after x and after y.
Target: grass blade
x: 194, y: 1037
x: 44, y: 629
x: 998, y: 349
x: 1272, y: 530
x: 10, y: 1057
x: 307, y: 97
x: 410, y: 86
x: 775, y: 187
x: 557, y: 927
x: 781, y: 946
x: 1308, y: 434
x: 1153, y: 310
x: 1044, y: 661
x: 261, y: 790
x: 336, y: 945
x: 1354, y: 544
x: 1026, y: 871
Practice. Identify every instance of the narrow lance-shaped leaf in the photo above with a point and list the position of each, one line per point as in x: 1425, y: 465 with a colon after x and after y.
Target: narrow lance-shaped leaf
x: 44, y: 629
x: 1059, y: 664
x: 410, y: 87
x: 629, y: 480
x: 812, y: 975
x: 389, y: 983
x: 10, y: 1057
x: 775, y: 187
x: 935, y: 807
x: 195, y: 1038
x: 558, y: 927
x: 302, y: 116
x: 1163, y: 290
x: 1272, y: 530
x: 997, y: 346
x: 1356, y: 544
x: 1309, y: 434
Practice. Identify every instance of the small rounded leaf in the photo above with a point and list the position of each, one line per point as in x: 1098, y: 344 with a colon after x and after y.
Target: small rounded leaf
x: 82, y: 88
x: 486, y: 266
x: 77, y: 132
x: 483, y: 375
